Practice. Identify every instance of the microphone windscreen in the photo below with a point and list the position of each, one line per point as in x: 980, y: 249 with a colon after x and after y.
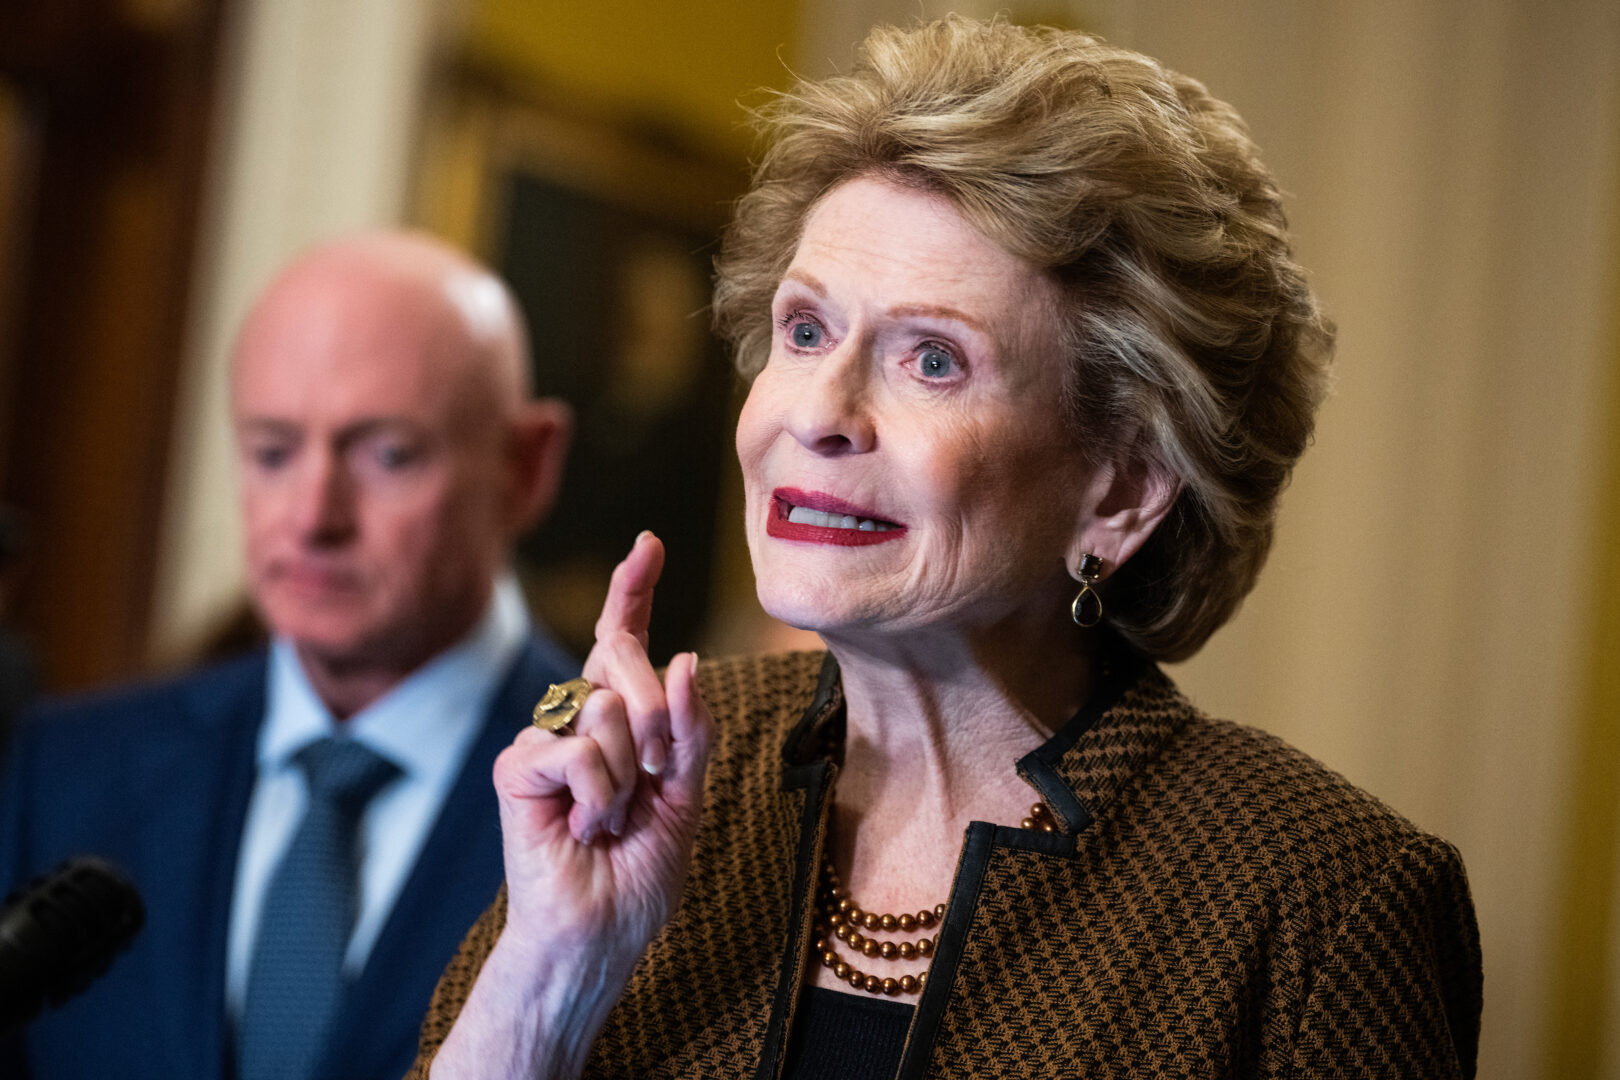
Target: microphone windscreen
x: 60, y: 932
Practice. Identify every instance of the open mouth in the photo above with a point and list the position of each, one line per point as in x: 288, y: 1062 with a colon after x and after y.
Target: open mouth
x: 819, y: 518
x: 803, y: 515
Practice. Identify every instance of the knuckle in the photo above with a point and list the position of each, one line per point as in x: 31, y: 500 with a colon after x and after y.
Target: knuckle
x: 623, y: 644
x: 609, y: 704
x: 526, y: 752
x: 508, y: 767
x: 587, y: 753
x: 526, y: 740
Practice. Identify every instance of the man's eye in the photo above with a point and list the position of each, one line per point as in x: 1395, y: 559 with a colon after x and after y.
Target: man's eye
x: 395, y: 457
x: 936, y: 363
x: 269, y: 457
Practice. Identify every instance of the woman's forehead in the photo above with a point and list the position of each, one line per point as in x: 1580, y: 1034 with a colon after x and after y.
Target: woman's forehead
x: 910, y: 254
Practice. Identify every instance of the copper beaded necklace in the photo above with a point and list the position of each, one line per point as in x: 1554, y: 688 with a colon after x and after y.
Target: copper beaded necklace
x: 840, y: 918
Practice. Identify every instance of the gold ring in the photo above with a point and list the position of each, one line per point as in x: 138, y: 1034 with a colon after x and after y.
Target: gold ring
x: 562, y: 703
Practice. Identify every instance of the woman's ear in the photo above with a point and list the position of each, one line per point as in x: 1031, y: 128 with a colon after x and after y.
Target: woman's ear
x: 539, y: 440
x: 1125, y: 502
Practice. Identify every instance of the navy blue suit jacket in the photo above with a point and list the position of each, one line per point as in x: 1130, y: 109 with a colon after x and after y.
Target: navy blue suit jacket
x: 156, y: 779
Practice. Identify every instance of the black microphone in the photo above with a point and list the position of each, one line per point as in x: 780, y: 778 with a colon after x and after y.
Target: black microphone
x: 60, y: 932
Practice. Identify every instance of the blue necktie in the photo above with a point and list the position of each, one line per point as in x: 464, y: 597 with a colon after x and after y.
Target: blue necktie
x: 309, y: 911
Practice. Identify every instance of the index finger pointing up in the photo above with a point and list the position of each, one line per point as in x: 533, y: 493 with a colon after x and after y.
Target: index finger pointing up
x: 628, y: 608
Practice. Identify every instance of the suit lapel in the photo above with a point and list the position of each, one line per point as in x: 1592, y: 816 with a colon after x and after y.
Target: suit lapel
x: 455, y: 877
x: 192, y: 831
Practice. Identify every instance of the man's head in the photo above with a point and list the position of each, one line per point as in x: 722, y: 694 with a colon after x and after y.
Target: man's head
x: 388, y: 449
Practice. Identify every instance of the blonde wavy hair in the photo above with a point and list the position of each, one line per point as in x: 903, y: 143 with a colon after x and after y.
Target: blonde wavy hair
x: 1192, y: 341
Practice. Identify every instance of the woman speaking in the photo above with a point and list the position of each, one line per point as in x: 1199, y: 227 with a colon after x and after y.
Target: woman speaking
x: 1031, y: 363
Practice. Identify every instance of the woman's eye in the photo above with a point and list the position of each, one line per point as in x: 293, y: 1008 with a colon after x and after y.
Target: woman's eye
x: 805, y: 334
x: 936, y: 363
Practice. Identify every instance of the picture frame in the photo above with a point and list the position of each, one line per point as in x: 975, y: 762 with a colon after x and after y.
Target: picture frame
x: 606, y: 232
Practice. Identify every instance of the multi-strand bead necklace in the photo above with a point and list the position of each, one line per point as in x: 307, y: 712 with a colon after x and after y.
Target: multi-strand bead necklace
x: 841, y: 919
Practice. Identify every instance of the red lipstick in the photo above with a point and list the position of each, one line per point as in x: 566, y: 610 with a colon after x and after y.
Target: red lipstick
x: 784, y: 500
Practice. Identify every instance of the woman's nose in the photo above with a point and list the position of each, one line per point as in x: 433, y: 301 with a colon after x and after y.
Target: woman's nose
x: 831, y: 411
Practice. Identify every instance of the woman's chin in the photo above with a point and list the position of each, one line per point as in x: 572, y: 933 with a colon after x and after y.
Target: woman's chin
x: 817, y: 614
x: 799, y: 616
x: 839, y: 623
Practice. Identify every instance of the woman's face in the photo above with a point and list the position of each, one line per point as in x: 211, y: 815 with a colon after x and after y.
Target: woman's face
x: 904, y: 453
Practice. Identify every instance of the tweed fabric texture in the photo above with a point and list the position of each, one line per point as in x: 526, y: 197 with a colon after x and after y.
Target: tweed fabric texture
x: 1222, y: 905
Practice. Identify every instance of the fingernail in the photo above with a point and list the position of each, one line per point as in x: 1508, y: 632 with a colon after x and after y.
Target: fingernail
x: 616, y: 826
x: 655, y: 757
x: 643, y: 534
x: 590, y: 836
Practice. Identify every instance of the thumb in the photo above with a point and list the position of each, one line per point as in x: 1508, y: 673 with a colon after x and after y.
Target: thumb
x: 691, y: 729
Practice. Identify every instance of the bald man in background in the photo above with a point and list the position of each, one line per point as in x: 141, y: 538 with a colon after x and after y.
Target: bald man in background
x: 389, y: 454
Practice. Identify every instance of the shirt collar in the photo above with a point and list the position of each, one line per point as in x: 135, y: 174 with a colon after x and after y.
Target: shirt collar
x: 417, y: 724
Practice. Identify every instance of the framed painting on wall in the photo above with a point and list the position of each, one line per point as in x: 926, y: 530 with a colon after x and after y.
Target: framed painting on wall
x: 607, y: 236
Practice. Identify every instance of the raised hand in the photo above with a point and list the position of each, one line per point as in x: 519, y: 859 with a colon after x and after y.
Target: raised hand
x: 597, y: 828
x: 598, y: 825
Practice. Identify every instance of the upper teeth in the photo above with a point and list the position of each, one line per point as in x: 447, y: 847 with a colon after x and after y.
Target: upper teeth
x: 803, y: 515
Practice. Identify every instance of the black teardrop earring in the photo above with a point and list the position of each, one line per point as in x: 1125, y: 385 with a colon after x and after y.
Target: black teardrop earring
x: 1087, y: 609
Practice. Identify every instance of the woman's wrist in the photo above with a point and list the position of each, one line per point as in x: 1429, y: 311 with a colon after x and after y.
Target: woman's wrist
x: 534, y: 1012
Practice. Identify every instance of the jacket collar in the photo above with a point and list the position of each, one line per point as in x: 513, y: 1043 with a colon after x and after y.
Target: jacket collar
x: 1133, y: 712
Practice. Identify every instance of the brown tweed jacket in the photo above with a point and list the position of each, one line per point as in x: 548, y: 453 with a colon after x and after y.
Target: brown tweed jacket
x: 1215, y: 904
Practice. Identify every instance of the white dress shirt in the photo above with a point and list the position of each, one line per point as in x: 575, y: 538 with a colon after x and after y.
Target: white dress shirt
x: 425, y: 725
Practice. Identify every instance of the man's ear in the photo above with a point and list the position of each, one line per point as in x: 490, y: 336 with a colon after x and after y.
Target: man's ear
x: 538, y: 449
x: 1125, y: 503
